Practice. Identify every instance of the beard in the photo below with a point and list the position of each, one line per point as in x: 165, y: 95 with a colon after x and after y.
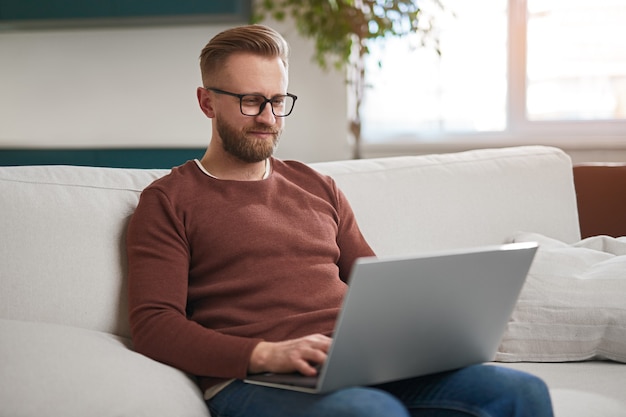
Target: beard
x: 248, y: 149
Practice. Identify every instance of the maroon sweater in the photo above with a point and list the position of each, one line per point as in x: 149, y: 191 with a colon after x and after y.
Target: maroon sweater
x: 216, y: 266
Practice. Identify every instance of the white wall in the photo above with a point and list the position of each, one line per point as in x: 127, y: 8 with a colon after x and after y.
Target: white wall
x: 135, y: 87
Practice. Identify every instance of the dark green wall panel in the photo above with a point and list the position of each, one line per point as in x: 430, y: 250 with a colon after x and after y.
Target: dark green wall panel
x: 47, y: 11
x: 116, y: 158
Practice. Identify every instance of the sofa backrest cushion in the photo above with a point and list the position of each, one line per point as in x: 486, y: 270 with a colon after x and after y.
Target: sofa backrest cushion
x: 62, y: 251
x: 63, y: 228
x: 409, y: 204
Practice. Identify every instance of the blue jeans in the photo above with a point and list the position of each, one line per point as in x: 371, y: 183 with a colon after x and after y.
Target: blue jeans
x: 478, y: 390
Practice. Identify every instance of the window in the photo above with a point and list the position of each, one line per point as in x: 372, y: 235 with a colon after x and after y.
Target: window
x: 576, y: 60
x: 511, y: 69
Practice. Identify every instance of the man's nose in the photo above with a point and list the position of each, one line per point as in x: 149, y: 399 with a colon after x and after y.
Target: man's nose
x: 267, y: 115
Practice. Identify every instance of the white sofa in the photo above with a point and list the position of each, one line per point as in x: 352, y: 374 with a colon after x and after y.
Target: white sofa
x: 64, y: 333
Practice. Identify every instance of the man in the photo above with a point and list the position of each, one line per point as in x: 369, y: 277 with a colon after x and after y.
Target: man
x: 238, y: 263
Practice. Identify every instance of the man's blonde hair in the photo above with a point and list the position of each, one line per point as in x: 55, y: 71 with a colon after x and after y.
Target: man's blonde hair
x: 256, y: 39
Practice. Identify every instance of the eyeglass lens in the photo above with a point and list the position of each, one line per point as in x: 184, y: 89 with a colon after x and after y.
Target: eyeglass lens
x: 253, y: 105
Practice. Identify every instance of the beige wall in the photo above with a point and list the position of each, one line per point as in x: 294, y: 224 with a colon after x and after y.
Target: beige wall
x: 125, y: 87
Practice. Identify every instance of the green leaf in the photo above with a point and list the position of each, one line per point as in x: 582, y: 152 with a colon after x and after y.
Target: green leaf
x: 333, y: 24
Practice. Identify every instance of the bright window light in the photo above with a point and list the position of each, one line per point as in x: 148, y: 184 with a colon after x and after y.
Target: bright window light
x: 505, y: 67
x: 576, y: 60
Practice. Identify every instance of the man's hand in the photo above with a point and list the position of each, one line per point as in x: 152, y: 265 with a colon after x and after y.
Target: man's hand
x: 299, y: 355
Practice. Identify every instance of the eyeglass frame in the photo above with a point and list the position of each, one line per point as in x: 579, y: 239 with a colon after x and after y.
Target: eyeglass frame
x: 261, y: 106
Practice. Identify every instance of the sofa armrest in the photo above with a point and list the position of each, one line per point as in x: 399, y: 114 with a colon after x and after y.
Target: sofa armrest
x: 601, y: 198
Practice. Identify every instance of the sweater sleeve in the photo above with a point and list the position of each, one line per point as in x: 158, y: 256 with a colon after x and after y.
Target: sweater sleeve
x: 158, y: 267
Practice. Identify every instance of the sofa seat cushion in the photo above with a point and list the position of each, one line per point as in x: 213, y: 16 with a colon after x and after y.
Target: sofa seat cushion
x: 573, y: 304
x: 55, y: 370
x: 581, y: 389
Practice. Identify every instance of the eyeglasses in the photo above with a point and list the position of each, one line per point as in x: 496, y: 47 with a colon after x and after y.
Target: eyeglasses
x: 254, y: 104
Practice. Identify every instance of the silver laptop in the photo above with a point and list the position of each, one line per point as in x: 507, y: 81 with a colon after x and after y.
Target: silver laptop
x: 413, y: 316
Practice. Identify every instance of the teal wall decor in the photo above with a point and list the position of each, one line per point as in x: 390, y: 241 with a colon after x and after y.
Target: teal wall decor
x: 27, y: 14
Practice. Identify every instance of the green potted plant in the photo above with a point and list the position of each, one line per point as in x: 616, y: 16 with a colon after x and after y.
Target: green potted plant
x: 342, y: 30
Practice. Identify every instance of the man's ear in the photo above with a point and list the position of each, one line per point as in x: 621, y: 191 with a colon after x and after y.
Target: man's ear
x: 204, y: 100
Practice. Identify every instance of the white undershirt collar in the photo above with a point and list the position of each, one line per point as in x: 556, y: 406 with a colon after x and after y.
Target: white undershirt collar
x: 265, y: 174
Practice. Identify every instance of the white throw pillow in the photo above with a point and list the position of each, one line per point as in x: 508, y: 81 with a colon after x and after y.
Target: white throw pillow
x: 573, y: 304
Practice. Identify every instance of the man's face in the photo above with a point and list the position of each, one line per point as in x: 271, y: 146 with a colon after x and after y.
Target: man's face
x: 249, y: 138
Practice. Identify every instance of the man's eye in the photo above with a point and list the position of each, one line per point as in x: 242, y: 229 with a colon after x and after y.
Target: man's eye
x: 278, y: 101
x: 252, y: 100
